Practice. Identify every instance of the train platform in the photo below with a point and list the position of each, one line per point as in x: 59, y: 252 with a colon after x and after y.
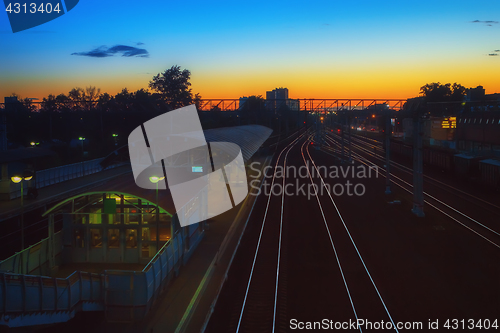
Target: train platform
x: 188, y: 300
x: 186, y: 305
x: 61, y: 191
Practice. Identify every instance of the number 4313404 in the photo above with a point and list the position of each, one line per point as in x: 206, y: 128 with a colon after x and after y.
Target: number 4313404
x: 469, y: 324
x: 32, y: 8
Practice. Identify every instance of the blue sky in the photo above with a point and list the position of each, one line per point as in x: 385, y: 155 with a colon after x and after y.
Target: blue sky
x: 317, y: 49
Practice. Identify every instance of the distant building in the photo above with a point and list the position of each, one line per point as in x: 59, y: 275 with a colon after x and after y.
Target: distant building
x: 277, y: 94
x: 279, y: 97
x: 475, y: 94
x: 242, y: 101
x: 293, y: 104
x: 438, y: 131
x: 478, y: 101
x: 477, y: 132
x: 492, y: 99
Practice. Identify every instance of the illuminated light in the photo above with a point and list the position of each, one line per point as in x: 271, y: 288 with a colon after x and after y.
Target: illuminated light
x: 81, y: 138
x: 155, y: 179
x: 115, y: 135
x: 32, y: 143
x: 28, y: 178
x: 16, y: 179
x: 373, y: 116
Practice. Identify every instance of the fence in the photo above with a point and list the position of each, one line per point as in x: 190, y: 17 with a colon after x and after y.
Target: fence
x: 63, y: 173
x: 130, y: 294
x: 124, y: 295
x: 34, y: 259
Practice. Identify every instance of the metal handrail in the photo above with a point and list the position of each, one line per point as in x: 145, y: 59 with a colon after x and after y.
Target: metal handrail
x: 162, y: 249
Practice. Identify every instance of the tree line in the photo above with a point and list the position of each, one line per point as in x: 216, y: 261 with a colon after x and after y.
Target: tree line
x: 105, y: 120
x: 86, y: 112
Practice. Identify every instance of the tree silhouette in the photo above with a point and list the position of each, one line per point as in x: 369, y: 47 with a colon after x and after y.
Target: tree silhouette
x: 90, y: 95
x: 437, y: 92
x: 173, y: 87
x: 443, y: 99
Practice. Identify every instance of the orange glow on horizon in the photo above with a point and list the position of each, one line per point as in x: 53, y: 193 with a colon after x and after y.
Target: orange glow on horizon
x: 301, y: 84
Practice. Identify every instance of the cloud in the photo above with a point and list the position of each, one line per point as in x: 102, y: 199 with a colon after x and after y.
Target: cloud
x: 139, y: 43
x: 488, y: 23
x: 496, y: 51
x: 493, y: 54
x: 124, y: 50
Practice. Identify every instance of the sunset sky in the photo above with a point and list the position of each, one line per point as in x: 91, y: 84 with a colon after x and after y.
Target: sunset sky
x: 317, y: 49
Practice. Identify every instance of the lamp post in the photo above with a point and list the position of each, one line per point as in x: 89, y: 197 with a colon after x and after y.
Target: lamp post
x: 19, y: 179
x: 115, y: 137
x: 155, y: 180
x: 82, y: 139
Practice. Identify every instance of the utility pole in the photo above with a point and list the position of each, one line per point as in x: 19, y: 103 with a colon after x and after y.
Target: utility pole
x: 418, y: 181
x: 305, y: 116
x: 348, y: 120
x: 342, y: 137
x: 388, y: 133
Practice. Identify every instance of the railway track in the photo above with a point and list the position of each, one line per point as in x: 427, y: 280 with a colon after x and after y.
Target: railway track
x: 481, y: 216
x: 289, y: 254
x: 365, y: 297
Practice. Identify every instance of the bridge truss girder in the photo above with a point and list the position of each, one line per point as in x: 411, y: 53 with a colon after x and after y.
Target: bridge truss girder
x: 307, y: 104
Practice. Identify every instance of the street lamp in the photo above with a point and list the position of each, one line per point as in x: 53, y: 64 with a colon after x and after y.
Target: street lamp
x: 115, y: 137
x: 155, y: 180
x: 19, y: 179
x: 82, y: 139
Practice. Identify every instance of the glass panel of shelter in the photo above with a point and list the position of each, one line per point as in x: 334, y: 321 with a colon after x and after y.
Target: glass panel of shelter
x: 132, y: 217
